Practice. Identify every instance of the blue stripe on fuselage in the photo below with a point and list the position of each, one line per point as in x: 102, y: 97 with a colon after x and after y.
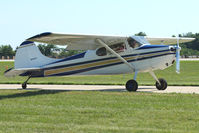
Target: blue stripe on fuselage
x: 97, y: 60
x: 107, y: 65
x: 151, y: 46
x: 77, y: 56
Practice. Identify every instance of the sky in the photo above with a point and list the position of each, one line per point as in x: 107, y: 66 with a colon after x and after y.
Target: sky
x: 21, y: 19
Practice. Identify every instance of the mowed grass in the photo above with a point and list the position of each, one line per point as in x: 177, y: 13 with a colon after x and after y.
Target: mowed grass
x: 97, y: 111
x: 188, y: 76
x: 101, y: 111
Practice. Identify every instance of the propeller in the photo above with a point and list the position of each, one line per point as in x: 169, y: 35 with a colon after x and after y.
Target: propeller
x: 178, y: 48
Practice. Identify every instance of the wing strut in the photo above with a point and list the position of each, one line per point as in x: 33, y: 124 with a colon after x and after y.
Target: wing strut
x: 113, y: 52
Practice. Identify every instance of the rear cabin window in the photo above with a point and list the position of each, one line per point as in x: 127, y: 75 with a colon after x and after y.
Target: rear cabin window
x: 101, y: 51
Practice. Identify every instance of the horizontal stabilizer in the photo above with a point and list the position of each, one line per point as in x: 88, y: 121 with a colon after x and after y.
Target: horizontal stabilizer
x: 16, y: 72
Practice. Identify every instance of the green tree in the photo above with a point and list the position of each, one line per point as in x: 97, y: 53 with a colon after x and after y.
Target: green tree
x: 53, y: 51
x: 6, y: 50
x: 190, y: 48
x: 65, y: 53
x: 179, y: 35
x: 140, y: 34
x: 47, y: 49
x: 173, y: 36
x: 194, y: 45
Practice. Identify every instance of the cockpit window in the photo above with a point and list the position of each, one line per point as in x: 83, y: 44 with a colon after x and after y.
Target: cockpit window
x: 133, y: 43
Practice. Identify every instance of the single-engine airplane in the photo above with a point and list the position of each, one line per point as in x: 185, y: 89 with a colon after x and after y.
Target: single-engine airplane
x: 104, y: 55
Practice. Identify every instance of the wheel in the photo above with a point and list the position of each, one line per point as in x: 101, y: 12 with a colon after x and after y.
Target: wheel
x: 162, y: 85
x: 131, y: 85
x: 24, y: 85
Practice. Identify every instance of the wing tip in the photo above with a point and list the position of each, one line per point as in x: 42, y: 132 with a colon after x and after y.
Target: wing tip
x: 25, y: 43
x: 40, y: 35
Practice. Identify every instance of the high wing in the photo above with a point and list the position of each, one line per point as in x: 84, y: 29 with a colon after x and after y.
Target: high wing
x: 88, y: 42
x: 76, y: 41
x: 167, y: 40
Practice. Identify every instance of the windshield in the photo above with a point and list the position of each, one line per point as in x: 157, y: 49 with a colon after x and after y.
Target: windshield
x: 136, y: 41
x: 133, y: 43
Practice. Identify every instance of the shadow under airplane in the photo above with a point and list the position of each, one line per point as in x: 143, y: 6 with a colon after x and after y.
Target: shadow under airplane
x: 30, y: 93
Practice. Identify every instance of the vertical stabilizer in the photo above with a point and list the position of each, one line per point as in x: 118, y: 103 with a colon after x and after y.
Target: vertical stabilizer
x: 28, y: 55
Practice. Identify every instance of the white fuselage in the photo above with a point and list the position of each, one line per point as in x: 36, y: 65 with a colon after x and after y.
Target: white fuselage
x: 143, y: 59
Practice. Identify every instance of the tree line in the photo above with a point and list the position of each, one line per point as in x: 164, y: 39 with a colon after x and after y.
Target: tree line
x: 6, y: 50
x: 188, y: 49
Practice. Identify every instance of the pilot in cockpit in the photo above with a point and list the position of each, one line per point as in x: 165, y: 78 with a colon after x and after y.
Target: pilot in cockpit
x: 132, y: 43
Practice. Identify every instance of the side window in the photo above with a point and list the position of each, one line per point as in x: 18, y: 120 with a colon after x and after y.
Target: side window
x: 133, y: 43
x: 118, y: 47
x: 101, y: 51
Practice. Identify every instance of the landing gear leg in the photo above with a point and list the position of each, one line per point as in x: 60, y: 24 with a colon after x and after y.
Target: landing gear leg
x: 132, y: 85
x: 161, y: 84
x: 24, y: 85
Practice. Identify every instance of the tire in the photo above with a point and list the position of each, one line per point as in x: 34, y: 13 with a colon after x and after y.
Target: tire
x: 162, y: 85
x: 24, y: 86
x: 131, y: 85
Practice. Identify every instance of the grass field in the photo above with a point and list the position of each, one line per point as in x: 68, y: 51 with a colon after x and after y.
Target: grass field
x: 95, y: 111
x: 101, y: 111
x: 188, y: 76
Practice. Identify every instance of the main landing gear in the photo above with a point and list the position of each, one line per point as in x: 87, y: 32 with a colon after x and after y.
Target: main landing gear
x: 132, y: 85
x: 24, y: 85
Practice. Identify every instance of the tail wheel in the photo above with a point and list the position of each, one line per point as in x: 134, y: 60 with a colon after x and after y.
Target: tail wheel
x: 24, y: 85
x: 162, y: 85
x: 131, y: 85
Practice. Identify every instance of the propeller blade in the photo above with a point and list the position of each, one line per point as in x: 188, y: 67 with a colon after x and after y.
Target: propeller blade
x: 178, y: 60
x: 178, y: 56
